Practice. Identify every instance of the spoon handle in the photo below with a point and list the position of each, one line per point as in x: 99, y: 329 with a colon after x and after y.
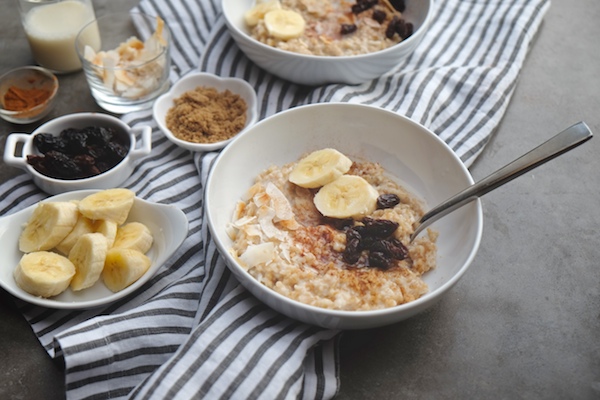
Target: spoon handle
x: 554, y: 147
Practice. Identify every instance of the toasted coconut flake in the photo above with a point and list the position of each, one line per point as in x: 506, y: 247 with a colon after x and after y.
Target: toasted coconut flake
x: 244, y: 220
x: 258, y: 254
x: 252, y: 230
x: 283, y: 208
x: 265, y: 219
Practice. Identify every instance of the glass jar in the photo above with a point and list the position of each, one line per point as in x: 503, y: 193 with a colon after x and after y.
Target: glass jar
x: 51, y: 27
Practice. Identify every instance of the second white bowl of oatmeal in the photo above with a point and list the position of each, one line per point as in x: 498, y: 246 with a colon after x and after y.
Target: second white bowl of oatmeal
x: 318, y: 70
x: 406, y: 150
x: 190, y: 82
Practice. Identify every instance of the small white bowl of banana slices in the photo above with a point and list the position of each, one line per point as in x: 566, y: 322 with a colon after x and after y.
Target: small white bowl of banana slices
x: 86, y: 248
x: 301, y: 204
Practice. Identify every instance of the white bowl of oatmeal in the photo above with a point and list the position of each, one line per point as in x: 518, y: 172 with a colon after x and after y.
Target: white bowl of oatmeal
x: 337, y: 44
x: 295, y: 263
x: 203, y: 112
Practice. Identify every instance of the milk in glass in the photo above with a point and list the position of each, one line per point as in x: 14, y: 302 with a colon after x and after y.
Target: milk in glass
x: 51, y: 28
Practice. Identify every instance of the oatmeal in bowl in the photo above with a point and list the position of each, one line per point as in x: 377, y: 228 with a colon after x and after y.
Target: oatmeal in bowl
x: 335, y: 240
x: 332, y: 248
x: 314, y: 42
x: 329, y: 27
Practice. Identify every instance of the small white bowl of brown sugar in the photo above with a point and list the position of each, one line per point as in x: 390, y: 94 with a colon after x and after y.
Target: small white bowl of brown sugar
x: 203, y: 112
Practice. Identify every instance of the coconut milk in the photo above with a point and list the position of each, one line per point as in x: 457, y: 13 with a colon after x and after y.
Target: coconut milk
x: 51, y: 30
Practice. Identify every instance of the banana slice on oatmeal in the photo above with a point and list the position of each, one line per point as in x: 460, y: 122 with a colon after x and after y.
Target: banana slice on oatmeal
x: 257, y: 13
x: 284, y: 24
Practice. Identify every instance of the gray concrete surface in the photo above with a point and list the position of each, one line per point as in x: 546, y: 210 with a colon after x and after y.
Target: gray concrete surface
x: 524, y: 322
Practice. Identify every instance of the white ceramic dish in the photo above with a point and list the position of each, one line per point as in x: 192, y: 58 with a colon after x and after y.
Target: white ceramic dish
x: 192, y: 81
x: 318, y: 70
x: 418, y: 158
x: 169, y: 227
x: 112, y: 178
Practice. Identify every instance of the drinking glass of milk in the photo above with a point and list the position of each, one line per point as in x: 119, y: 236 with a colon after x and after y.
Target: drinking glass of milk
x: 51, y: 27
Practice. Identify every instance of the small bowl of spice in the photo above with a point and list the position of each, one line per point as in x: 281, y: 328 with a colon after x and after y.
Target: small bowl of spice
x: 204, y: 112
x: 27, y: 94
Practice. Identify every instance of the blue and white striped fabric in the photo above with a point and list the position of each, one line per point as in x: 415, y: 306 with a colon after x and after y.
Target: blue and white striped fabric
x: 192, y: 331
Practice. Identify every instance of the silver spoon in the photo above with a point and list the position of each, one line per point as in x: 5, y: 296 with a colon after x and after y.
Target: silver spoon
x: 554, y: 147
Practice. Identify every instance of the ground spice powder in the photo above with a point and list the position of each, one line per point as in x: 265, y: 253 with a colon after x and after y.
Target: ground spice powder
x: 205, y: 115
x: 18, y: 99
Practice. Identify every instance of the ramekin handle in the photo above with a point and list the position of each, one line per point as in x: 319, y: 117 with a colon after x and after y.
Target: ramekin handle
x: 145, y: 135
x: 12, y: 141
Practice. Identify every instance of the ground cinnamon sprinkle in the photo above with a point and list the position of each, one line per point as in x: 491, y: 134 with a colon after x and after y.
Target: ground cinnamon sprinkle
x: 17, y: 99
x: 205, y: 115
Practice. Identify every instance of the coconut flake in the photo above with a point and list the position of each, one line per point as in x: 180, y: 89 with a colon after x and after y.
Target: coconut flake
x: 258, y: 254
x: 283, y: 208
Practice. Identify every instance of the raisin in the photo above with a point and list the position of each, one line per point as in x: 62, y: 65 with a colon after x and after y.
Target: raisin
x: 353, y: 233
x: 399, y: 5
x: 100, y: 135
x: 379, y: 15
x: 401, y: 29
x: 365, y: 238
x: 392, y: 248
x: 375, y: 238
x: 37, y: 162
x: 78, y: 153
x: 352, y: 251
x: 363, y: 5
x: 87, y: 165
x: 45, y: 142
x: 404, y: 29
x: 75, y: 141
x: 381, y: 228
x: 348, y: 28
x: 61, y: 166
x: 116, y: 151
x: 391, y: 28
x: 379, y: 260
x: 387, y: 200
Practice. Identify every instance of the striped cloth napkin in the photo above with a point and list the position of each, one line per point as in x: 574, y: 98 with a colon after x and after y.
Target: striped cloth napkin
x: 192, y: 331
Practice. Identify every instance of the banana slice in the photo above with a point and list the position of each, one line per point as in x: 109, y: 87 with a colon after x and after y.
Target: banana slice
x: 134, y: 235
x: 44, y: 273
x: 319, y: 168
x: 84, y: 225
x: 348, y: 196
x: 284, y: 24
x: 48, y: 225
x: 256, y: 13
x: 110, y: 204
x: 123, y: 267
x: 88, y: 255
x: 108, y: 229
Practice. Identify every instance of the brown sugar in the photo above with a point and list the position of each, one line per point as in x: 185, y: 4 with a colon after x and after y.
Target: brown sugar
x: 205, y: 115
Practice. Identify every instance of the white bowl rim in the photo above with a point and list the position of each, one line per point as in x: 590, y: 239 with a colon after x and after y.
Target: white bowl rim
x: 198, y: 75
x: 265, y: 47
x: 407, y: 307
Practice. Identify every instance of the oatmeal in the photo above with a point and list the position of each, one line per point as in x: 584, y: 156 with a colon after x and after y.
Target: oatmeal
x: 329, y: 27
x: 364, y: 262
